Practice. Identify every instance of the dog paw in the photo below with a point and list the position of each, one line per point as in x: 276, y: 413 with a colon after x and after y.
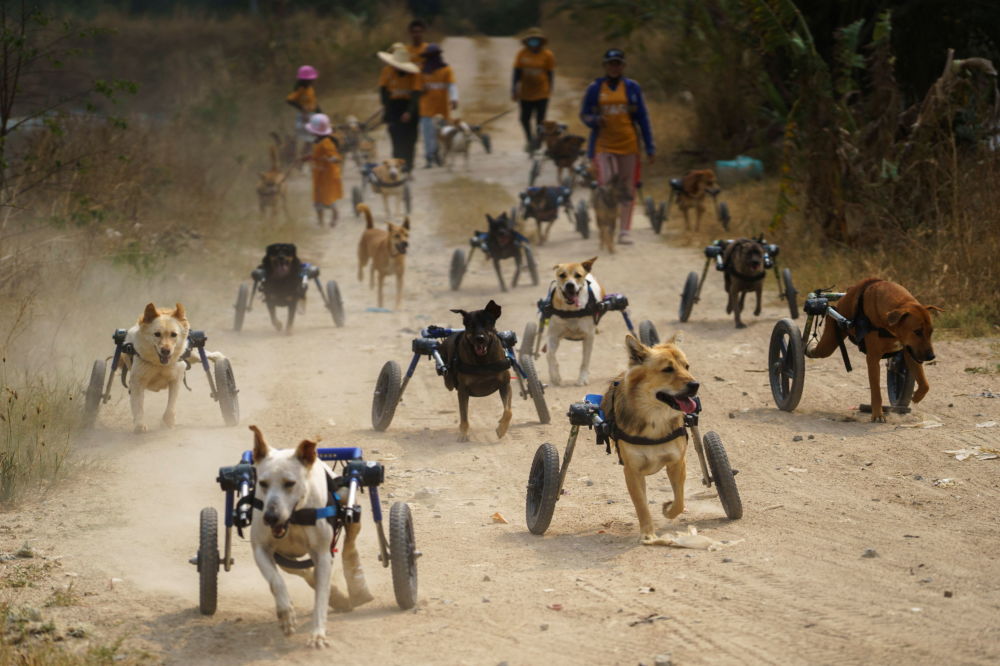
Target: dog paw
x: 169, y: 420
x: 878, y: 418
x: 286, y: 620
x: 463, y: 437
x: 140, y: 428
x: 653, y: 540
x: 740, y: 324
x: 672, y: 509
x: 756, y: 313
x: 582, y: 381
x: 318, y: 640
x: 361, y: 597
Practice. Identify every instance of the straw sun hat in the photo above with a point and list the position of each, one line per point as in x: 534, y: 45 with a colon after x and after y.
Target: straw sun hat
x: 534, y: 32
x: 398, y: 57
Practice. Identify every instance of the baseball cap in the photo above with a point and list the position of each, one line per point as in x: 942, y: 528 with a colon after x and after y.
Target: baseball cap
x: 614, y: 54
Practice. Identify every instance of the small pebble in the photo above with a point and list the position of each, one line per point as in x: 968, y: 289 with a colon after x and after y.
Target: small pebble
x: 797, y: 438
x: 611, y: 501
x: 486, y: 600
x: 662, y: 660
x: 727, y: 560
x: 948, y: 594
x: 544, y: 627
x: 869, y: 552
x: 486, y: 579
x: 917, y: 477
x: 926, y: 580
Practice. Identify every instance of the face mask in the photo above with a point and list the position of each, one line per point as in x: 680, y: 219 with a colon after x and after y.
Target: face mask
x: 533, y: 43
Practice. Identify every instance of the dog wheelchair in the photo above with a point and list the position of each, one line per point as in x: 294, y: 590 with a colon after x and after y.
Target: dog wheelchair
x: 480, y: 240
x: 531, y: 342
x: 221, y: 383
x: 546, y: 478
x: 660, y: 213
x: 389, y: 389
x: 691, y: 292
x: 245, y: 296
x: 556, y: 197
x: 786, y: 366
x: 239, y: 481
x: 368, y: 178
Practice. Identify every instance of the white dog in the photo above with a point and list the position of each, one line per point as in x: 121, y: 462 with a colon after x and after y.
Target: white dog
x: 289, y: 480
x: 454, y: 138
x: 574, y: 290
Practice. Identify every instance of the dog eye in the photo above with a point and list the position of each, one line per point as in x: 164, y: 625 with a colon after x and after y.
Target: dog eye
x: 264, y: 484
x: 919, y: 332
x: 289, y: 484
x: 173, y: 335
x: 562, y: 275
x: 157, y: 334
x: 669, y: 368
x: 577, y: 275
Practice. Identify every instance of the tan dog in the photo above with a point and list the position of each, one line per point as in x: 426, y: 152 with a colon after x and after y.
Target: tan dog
x: 387, y: 251
x: 289, y: 480
x: 606, y: 200
x: 890, y: 320
x: 271, y: 188
x: 562, y: 147
x: 160, y: 340
x: 649, y: 400
x: 388, y: 179
x: 694, y: 186
x: 573, y: 291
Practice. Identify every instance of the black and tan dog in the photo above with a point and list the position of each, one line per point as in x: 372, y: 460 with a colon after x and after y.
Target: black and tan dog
x: 282, y: 285
x: 477, y: 365
x: 386, y: 248
x: 542, y: 204
x: 645, y: 407
x: 743, y: 262
x: 606, y: 200
x: 504, y: 242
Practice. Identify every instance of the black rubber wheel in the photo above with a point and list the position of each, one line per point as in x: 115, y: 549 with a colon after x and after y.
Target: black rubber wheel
x: 407, y: 200
x: 403, y: 555
x: 536, y: 168
x: 543, y: 489
x: 582, y: 217
x: 226, y: 391
x: 648, y: 334
x: 688, y: 296
x: 208, y: 561
x: 661, y: 216
x: 899, y: 381
x: 786, y: 365
x: 723, y: 212
x: 335, y: 303
x: 487, y: 143
x: 457, y: 270
x: 386, y: 396
x: 356, y: 198
x: 513, y: 215
x: 791, y: 296
x: 95, y: 393
x: 529, y: 257
x: 535, y: 388
x: 722, y: 476
x: 242, y: 300
x: 528, y: 340
x: 650, y: 205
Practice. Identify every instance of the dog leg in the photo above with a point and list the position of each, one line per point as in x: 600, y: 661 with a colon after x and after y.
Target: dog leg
x: 505, y: 419
x: 496, y: 267
x: 917, y: 370
x: 272, y: 310
x: 362, y: 260
x: 357, y: 587
x: 463, y: 412
x: 170, y: 414
x: 760, y: 291
x: 828, y: 341
x: 323, y: 564
x: 517, y: 269
x: 381, y: 284
x: 399, y: 288
x: 735, y: 307
x: 339, y: 601
x: 739, y: 297
x: 676, y: 473
x: 553, y: 346
x: 136, y: 395
x: 371, y: 275
x: 282, y: 602
x: 687, y: 220
x: 588, y: 348
x: 874, y: 373
x: 636, y: 484
x: 291, y: 318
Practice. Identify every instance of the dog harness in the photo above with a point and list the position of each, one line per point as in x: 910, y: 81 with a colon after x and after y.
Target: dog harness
x: 862, y: 325
x: 476, y: 368
x: 369, y: 172
x: 612, y: 431
x: 591, y: 309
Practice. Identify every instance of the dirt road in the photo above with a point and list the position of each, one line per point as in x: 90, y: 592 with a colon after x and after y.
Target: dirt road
x: 792, y: 588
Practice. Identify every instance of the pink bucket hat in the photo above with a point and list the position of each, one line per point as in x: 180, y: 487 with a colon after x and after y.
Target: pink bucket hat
x: 319, y: 124
x: 308, y: 73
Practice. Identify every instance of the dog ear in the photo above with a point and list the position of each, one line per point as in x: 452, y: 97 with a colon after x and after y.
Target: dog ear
x: 493, y: 309
x: 179, y: 311
x: 934, y: 308
x: 406, y: 222
x: 637, y: 352
x: 587, y: 264
x: 895, y: 316
x: 305, y: 452
x: 260, y: 447
x: 149, y: 314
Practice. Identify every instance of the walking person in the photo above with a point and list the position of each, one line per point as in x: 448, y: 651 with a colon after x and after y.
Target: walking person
x: 417, y: 45
x: 399, y: 86
x: 533, y: 82
x: 615, y: 111
x: 325, y: 160
x: 303, y: 99
x: 439, y: 98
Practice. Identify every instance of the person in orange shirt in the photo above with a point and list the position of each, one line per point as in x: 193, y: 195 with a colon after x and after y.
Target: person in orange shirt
x: 325, y: 159
x: 417, y: 45
x: 440, y: 96
x: 303, y: 98
x: 400, y: 86
x: 533, y: 82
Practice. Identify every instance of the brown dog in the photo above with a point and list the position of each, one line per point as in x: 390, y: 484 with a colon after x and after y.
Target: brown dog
x: 387, y: 251
x: 743, y: 262
x: 563, y: 148
x: 271, y: 187
x: 388, y: 179
x: 694, y: 186
x: 605, y: 200
x: 647, y: 404
x: 889, y: 320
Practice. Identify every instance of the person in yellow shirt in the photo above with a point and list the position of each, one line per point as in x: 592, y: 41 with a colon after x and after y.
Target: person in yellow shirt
x: 303, y: 99
x: 533, y: 82
x: 439, y: 97
x: 400, y: 86
x: 417, y: 45
x: 325, y: 159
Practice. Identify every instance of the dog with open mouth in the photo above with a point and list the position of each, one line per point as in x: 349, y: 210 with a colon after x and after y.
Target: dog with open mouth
x: 289, y: 480
x: 575, y: 293
x: 478, y: 365
x: 743, y: 267
x: 645, y: 408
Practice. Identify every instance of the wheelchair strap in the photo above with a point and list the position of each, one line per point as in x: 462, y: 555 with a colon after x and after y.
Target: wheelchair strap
x: 862, y: 325
x: 612, y: 431
x: 591, y: 309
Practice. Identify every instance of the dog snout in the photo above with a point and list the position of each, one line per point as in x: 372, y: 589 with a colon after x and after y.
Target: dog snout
x: 692, y: 388
x: 570, y: 287
x: 271, y: 517
x: 929, y: 356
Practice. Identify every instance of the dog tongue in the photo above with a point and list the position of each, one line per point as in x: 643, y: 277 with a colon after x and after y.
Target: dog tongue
x: 687, y: 405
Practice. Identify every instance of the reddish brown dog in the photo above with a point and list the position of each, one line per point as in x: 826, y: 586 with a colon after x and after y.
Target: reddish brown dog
x: 695, y: 185
x: 896, y: 322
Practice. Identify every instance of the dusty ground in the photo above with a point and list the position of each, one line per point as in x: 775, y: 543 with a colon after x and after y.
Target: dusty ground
x: 792, y: 589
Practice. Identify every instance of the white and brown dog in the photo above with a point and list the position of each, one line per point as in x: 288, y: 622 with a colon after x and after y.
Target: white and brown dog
x: 289, y: 480
x: 454, y: 138
x: 388, y: 179
x: 574, y: 294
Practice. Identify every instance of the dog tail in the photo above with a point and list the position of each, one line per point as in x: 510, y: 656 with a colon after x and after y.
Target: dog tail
x: 369, y: 222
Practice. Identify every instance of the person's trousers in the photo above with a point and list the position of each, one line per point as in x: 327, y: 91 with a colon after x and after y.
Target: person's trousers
x: 608, y: 166
x: 429, y: 129
x: 404, y: 140
x: 531, y: 108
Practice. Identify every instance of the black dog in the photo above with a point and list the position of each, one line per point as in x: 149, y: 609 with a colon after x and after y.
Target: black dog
x: 503, y: 242
x: 282, y: 283
x: 743, y: 260
x: 542, y: 204
x: 477, y: 365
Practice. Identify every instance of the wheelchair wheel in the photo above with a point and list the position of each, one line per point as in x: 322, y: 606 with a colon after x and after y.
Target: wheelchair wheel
x: 786, y: 365
x: 536, y: 168
x: 899, y: 380
x: 386, y: 396
x: 535, y: 388
x: 582, y: 216
x: 650, y: 206
x: 208, y: 561
x: 528, y: 339
x: 543, y: 489
x: 403, y: 555
x: 791, y: 296
x: 723, y: 213
x: 487, y: 143
x: 457, y: 270
x: 226, y: 392
x: 688, y: 296
x: 95, y: 391
x: 648, y: 334
x: 407, y: 201
x: 723, y: 476
x: 242, y: 301
x: 335, y: 303
x: 513, y: 215
x: 659, y: 217
x: 356, y: 198
x: 529, y: 257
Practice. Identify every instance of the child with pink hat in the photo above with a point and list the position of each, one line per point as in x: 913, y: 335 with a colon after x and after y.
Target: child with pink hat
x: 303, y: 98
x: 325, y: 158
